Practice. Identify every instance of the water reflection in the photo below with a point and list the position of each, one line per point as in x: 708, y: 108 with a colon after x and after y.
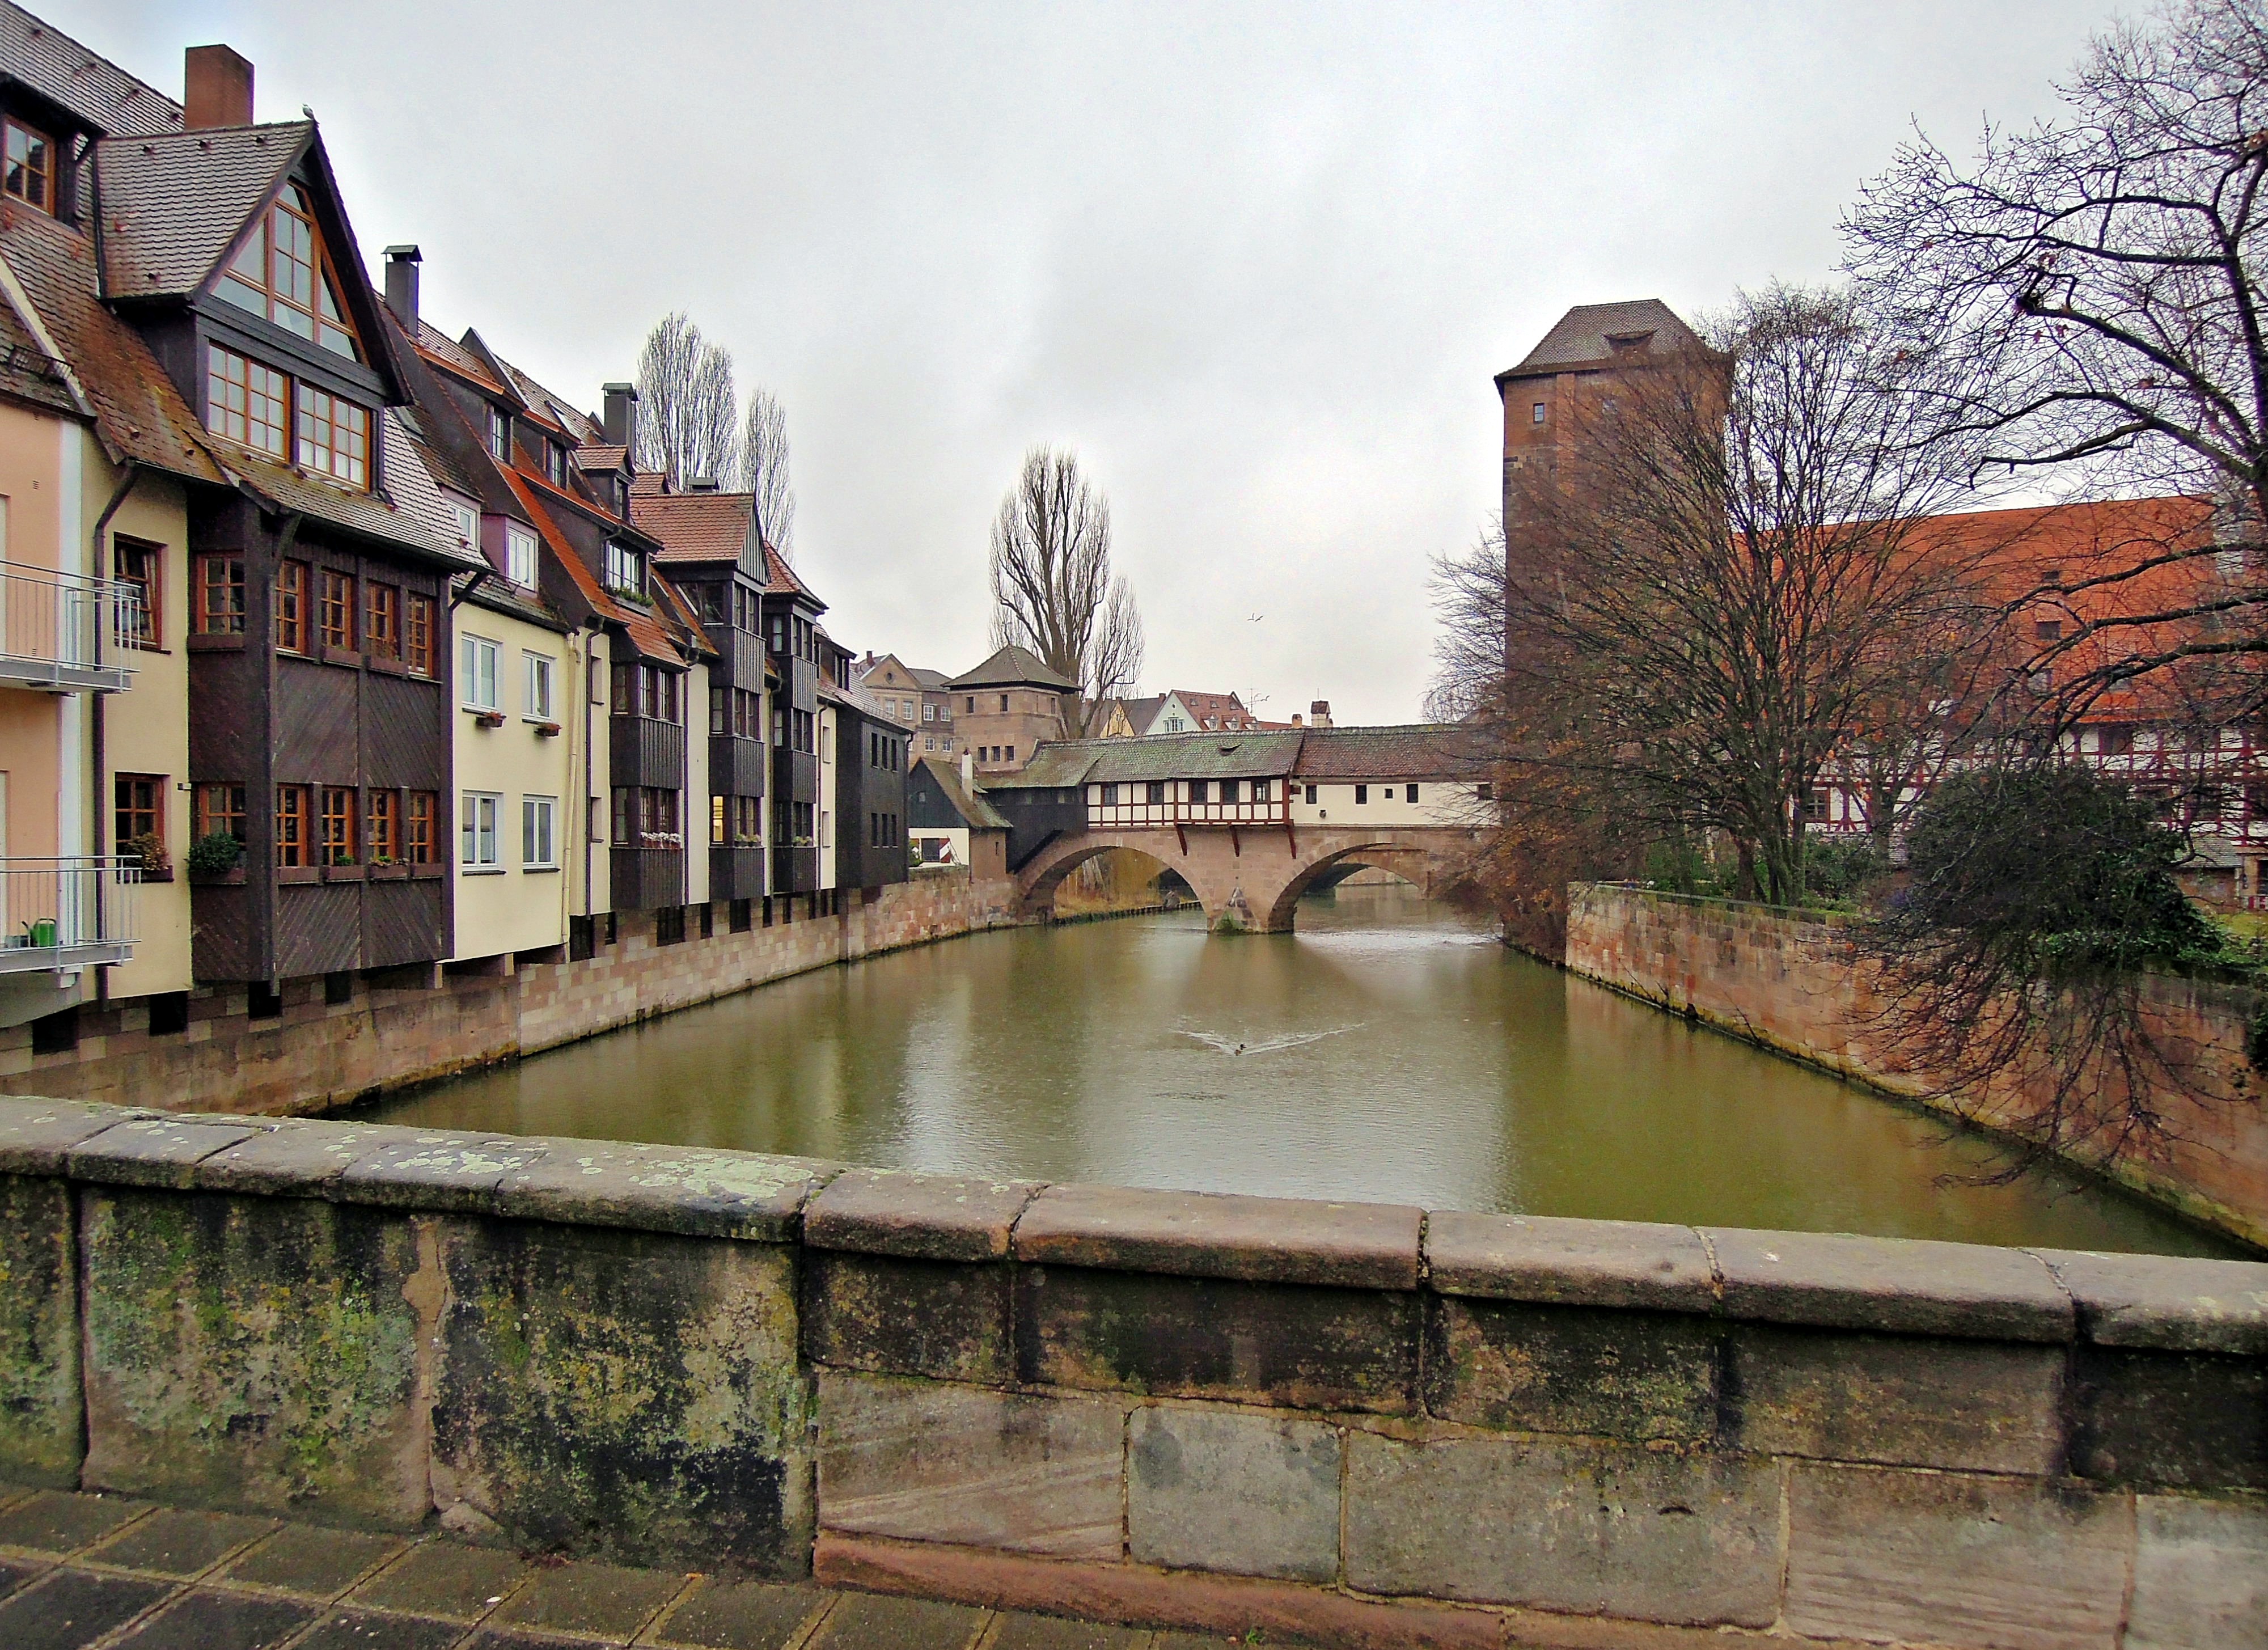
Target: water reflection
x: 1388, y: 1053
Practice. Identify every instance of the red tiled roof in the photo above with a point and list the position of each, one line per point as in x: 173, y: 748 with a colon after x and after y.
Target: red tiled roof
x: 782, y: 580
x: 1221, y: 708
x: 596, y: 458
x: 646, y: 484
x: 1422, y: 751
x: 447, y: 353
x: 695, y: 526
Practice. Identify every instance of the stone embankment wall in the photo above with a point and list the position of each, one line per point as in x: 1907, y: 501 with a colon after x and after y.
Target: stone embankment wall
x: 1791, y: 982
x: 1355, y: 1424
x: 398, y: 1027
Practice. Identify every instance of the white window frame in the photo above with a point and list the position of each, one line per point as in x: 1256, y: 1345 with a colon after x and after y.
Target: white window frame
x: 476, y: 830
x: 519, y: 554
x: 477, y: 655
x: 538, y: 833
x: 540, y: 674
x: 630, y: 561
x: 499, y: 433
x: 468, y: 522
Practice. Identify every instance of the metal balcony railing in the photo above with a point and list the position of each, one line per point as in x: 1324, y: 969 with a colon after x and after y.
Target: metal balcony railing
x: 67, y: 913
x: 66, y: 633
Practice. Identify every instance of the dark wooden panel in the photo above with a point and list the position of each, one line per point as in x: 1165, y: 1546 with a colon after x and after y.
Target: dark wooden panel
x: 736, y: 874
x: 406, y: 739
x: 736, y: 767
x: 642, y: 751
x: 641, y: 878
x: 317, y: 740
x: 404, y: 922
x: 318, y: 928
x: 795, y: 776
x: 220, y: 944
x: 795, y: 870
x: 222, y: 731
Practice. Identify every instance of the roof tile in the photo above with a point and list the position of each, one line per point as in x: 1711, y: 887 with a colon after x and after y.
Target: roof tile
x: 172, y: 205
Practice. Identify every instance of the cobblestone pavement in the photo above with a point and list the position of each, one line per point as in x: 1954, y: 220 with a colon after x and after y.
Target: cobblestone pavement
x: 104, y: 1572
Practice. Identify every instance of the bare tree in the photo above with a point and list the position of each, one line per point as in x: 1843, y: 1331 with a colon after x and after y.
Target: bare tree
x: 1053, y: 590
x: 2086, y: 295
x: 688, y: 423
x: 764, y: 470
x: 1721, y: 581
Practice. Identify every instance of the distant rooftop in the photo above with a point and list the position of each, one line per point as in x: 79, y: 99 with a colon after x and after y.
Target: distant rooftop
x: 1594, y: 333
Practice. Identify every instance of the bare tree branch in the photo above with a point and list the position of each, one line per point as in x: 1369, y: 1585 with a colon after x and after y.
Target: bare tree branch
x: 1052, y: 587
x: 764, y: 470
x: 688, y: 423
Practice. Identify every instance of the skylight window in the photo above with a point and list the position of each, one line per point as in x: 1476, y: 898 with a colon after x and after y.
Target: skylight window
x: 283, y: 273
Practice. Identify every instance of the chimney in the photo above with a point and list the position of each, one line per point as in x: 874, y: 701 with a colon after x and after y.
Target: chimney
x: 968, y: 771
x: 401, y: 286
x: 1319, y: 713
x: 702, y: 484
x: 217, y: 88
x: 1295, y: 719
x: 620, y: 419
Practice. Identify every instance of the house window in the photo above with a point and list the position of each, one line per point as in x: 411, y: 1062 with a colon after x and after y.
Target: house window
x: 1311, y: 796
x: 540, y: 672
x: 1111, y: 796
x: 500, y: 433
x: 381, y: 630
x: 1484, y: 792
x: 1815, y: 805
x: 538, y: 832
x: 468, y: 522
x: 1003, y: 703
x: 1260, y: 790
x: 929, y: 712
x: 334, y: 436
x: 645, y: 816
x: 385, y: 815
x: 283, y: 273
x: 424, y: 816
x: 748, y: 714
x: 291, y: 607
x: 2112, y: 740
x: 622, y: 569
x: 2047, y: 630
x: 417, y: 634
x: 720, y: 713
x: 1199, y: 789
x: 1535, y: 414
x: 1228, y: 789
x: 710, y: 601
x: 338, y: 609
x: 476, y: 666
x: 134, y: 566
x: 1156, y: 794
x: 294, y: 850
x: 337, y: 819
x: 476, y: 832
x: 972, y: 705
x: 555, y: 464
x: 1362, y: 794
x: 220, y: 811
x: 1413, y: 791
x: 244, y: 401
x: 31, y: 165
x: 138, y: 801
x: 520, y: 555
x: 219, y: 598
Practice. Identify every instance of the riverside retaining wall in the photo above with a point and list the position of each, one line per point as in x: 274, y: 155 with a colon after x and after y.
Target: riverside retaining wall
x: 353, y: 1036
x: 1792, y: 981
x: 1359, y: 1424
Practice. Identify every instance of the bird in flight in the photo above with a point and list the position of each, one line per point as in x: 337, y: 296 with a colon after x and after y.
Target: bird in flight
x: 1257, y: 617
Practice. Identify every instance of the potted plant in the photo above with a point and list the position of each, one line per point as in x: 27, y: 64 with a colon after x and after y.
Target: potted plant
x: 489, y: 718
x: 213, y: 858
x: 156, y: 866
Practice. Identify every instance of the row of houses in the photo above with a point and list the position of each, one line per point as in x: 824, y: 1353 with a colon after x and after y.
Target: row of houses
x: 333, y: 645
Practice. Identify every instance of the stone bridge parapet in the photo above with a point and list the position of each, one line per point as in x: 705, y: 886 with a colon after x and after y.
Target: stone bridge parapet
x: 1357, y: 1425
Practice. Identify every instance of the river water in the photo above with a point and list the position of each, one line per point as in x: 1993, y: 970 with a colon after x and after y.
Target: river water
x: 1388, y: 1051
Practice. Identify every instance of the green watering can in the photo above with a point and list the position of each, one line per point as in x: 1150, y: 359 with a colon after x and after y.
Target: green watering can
x: 41, y: 933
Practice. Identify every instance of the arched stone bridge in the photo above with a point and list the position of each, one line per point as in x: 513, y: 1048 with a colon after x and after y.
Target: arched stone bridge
x: 1250, y: 878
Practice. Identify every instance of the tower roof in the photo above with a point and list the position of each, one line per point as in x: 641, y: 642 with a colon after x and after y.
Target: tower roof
x: 1593, y: 334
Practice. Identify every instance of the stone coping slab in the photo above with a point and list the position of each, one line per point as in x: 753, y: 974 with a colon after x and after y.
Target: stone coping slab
x: 1821, y: 1280
x: 1893, y: 1285
x: 1569, y: 1262
x: 916, y: 1216
x: 1214, y: 1234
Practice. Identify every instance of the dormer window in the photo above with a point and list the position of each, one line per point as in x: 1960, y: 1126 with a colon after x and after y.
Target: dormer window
x: 555, y: 464
x: 31, y: 165
x: 500, y: 433
x: 520, y: 555
x: 283, y: 273
x: 625, y: 568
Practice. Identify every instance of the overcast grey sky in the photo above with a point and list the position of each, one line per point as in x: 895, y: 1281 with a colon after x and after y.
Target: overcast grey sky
x: 1256, y: 263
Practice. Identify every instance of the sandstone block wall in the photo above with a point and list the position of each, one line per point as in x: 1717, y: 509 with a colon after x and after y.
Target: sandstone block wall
x: 1791, y: 981
x: 1354, y: 1424
x: 400, y: 1028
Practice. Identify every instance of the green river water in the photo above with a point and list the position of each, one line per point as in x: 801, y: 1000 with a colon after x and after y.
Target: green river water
x: 1387, y: 1052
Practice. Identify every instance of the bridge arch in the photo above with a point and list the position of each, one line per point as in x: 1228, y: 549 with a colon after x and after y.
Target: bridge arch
x: 1281, y: 908
x: 1060, y: 861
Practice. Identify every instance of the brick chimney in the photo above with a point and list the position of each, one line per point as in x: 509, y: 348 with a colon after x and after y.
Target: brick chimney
x: 620, y: 418
x: 216, y: 87
x: 401, y: 286
x: 1319, y: 713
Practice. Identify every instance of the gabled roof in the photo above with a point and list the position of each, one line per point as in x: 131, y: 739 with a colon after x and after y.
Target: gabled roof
x: 782, y: 580
x: 1141, y: 712
x: 1169, y: 757
x: 138, y: 413
x: 57, y: 67
x: 1586, y: 336
x: 696, y: 527
x: 596, y: 458
x: 1435, y: 751
x: 414, y: 487
x: 173, y: 205
x: 1219, y: 706
x: 447, y: 353
x: 646, y: 484
x: 931, y: 681
x: 974, y: 811
x: 1013, y: 666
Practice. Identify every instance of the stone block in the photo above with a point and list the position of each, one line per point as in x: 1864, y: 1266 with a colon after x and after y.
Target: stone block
x: 625, y: 1395
x: 1889, y: 1285
x: 1203, y: 1338
x: 42, y: 1410
x: 435, y: 1170
x: 2002, y: 1563
x: 2182, y: 1420
x: 1235, y: 1491
x: 1637, y: 1375
x: 919, y: 1216
x: 921, y: 1460
x: 256, y: 1353
x: 1917, y: 1400
x: 2171, y: 1303
x: 1569, y: 1263
x: 152, y: 1151
x: 1653, y: 1534
x: 1207, y: 1235
x: 298, y: 1158
x: 35, y: 1134
x: 942, y: 1319
x: 2200, y: 1575
x: 685, y: 1189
